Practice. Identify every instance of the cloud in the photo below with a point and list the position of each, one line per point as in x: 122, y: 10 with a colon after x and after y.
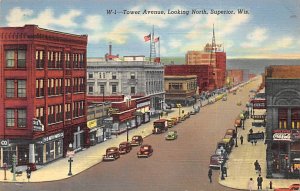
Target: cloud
x: 46, y: 18
x: 94, y: 25
x: 255, y: 38
x: 175, y: 43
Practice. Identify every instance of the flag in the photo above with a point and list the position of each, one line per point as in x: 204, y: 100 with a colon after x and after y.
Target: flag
x: 147, y: 38
x: 156, y: 39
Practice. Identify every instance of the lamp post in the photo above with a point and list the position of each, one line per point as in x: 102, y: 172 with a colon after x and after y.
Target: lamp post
x: 127, y: 125
x: 71, y: 153
x: 236, y: 135
x: 5, y: 167
x: 14, y: 158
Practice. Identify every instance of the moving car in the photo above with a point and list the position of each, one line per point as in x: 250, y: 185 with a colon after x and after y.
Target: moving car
x: 160, y: 126
x: 136, y: 140
x: 290, y: 188
x: 124, y: 147
x: 145, y: 151
x: 172, y: 135
x: 112, y: 153
x: 215, y: 161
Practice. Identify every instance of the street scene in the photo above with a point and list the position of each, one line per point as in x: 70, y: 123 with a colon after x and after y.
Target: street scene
x: 147, y: 95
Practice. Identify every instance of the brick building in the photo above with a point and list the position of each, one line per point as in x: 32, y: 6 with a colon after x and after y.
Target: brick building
x: 235, y: 76
x: 43, y: 76
x: 204, y: 74
x: 283, y: 121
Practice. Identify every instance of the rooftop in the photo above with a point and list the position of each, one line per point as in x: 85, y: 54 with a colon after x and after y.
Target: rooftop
x: 283, y: 72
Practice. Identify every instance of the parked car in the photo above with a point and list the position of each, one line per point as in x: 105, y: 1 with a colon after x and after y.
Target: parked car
x: 215, y: 161
x: 145, y: 151
x: 229, y: 139
x: 230, y: 132
x: 172, y: 135
x: 136, y: 140
x: 222, y: 152
x: 112, y: 153
x: 290, y: 188
x: 193, y: 112
x: 160, y: 126
x: 124, y: 147
x: 171, y: 123
x: 175, y: 120
x: 225, y: 145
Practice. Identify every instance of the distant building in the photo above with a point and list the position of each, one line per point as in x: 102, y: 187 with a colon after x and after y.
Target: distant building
x: 204, y: 74
x: 181, y: 89
x: 134, y: 58
x: 43, y: 76
x: 283, y: 121
x: 235, y: 76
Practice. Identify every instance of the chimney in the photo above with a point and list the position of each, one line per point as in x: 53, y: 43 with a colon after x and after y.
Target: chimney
x: 110, y: 47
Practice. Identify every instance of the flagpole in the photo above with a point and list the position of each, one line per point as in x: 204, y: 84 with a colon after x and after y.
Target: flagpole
x: 150, y: 48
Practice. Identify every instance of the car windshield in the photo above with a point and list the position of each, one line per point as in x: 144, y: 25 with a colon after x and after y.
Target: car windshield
x: 110, y: 150
x: 170, y: 133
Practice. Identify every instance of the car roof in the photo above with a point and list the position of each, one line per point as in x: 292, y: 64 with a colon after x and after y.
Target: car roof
x: 123, y: 143
x: 112, y: 148
x: 146, y: 145
x: 136, y: 136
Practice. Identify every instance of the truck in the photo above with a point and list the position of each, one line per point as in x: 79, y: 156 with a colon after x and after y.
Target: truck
x: 160, y: 126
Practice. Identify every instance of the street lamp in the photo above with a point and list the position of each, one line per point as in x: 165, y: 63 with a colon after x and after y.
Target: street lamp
x: 71, y: 153
x: 127, y: 125
x: 236, y: 135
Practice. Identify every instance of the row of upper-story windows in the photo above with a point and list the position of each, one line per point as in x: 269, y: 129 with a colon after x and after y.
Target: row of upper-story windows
x: 103, y: 75
x: 16, y: 58
x: 56, y: 86
x: 294, y: 118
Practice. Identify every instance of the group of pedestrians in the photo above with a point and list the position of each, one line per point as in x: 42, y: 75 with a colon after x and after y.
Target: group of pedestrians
x: 259, y: 178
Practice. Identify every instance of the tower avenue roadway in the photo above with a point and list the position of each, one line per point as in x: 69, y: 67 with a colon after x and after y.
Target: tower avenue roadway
x: 179, y: 165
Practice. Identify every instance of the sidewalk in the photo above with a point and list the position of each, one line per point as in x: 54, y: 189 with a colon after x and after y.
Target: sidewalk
x: 241, y: 163
x: 87, y: 158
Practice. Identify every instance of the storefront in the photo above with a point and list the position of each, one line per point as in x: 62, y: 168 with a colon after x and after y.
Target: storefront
x: 96, y: 133
x: 78, y: 142
x: 49, y: 148
x: 142, y: 111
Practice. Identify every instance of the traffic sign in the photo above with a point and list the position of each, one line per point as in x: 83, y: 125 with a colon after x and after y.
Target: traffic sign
x: 70, y: 154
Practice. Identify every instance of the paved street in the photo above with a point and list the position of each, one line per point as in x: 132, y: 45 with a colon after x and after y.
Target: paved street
x: 175, y: 165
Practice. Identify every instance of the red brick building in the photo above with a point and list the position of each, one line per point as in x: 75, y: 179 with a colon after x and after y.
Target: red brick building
x: 235, y: 76
x: 204, y: 73
x: 43, y: 76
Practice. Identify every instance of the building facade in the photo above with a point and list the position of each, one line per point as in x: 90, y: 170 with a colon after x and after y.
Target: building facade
x: 181, y: 89
x: 283, y: 121
x: 43, y: 99
x: 204, y: 74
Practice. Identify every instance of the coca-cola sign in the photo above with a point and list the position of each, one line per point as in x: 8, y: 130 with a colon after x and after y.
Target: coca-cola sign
x: 282, y: 135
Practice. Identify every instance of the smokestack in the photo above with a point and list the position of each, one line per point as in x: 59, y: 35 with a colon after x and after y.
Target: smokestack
x: 110, y: 47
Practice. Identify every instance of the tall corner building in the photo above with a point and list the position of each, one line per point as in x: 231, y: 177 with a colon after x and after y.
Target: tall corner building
x: 43, y: 94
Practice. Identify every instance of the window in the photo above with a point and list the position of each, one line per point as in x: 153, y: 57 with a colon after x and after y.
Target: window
x: 91, y: 90
x: 15, y: 86
x: 39, y: 58
x: 68, y: 111
x: 282, y: 118
x: 295, y: 118
x: 132, y: 90
x: 21, y: 118
x: 68, y: 85
x: 21, y: 88
x: 114, y: 76
x: 132, y: 75
x: 10, y: 118
x: 114, y: 89
x: 16, y: 115
x: 91, y: 75
x: 67, y: 59
x: 101, y: 89
x: 103, y: 75
x: 100, y: 75
x: 10, y: 88
x: 15, y: 58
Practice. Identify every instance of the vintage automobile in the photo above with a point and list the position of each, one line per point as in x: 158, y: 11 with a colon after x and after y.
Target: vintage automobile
x: 238, y: 123
x: 193, y: 112
x: 160, y: 126
x: 215, y: 161
x: 228, y: 139
x: 124, y: 147
x: 172, y: 135
x: 136, y: 140
x: 145, y: 151
x: 230, y: 132
x: 171, y: 123
x: 175, y: 119
x: 222, y: 152
x: 290, y: 188
x: 225, y: 145
x: 112, y: 153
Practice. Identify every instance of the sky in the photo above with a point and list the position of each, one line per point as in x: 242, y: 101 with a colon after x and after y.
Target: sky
x: 270, y: 29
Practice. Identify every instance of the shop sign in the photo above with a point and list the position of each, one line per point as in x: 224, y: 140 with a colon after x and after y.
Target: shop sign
x: 4, y: 142
x: 108, y: 121
x: 92, y: 124
x: 37, y: 125
x: 259, y: 104
x: 256, y: 136
x: 281, y: 135
x: 295, y: 135
x: 53, y: 137
x: 139, y: 105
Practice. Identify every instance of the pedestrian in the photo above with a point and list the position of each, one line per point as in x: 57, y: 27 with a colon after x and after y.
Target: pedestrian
x: 259, y: 169
x: 242, y: 139
x: 250, y: 184
x: 252, y: 143
x: 255, y: 141
x: 209, y: 175
x: 256, y: 165
x: 250, y: 131
x: 259, y: 182
x: 28, y: 171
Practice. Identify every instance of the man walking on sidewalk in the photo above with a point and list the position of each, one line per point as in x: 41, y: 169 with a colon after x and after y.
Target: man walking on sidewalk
x: 209, y: 175
x: 259, y: 182
x: 242, y: 139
